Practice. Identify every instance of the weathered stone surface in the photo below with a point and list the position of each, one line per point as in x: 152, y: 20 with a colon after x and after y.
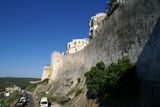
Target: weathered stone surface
x: 133, y: 29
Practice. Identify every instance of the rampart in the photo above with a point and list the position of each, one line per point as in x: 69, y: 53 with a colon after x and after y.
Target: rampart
x: 134, y: 30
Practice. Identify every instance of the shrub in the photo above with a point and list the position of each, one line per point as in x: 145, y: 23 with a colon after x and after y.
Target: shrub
x: 117, y: 81
x: 94, y: 78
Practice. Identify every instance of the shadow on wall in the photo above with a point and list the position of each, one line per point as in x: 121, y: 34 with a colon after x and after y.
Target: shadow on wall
x: 148, y: 65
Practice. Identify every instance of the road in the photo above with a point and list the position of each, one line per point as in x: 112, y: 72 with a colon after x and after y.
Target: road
x: 31, y: 101
x: 56, y: 105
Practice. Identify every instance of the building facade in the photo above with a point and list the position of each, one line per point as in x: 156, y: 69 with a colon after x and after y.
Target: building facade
x: 76, y: 45
x: 46, y: 72
x: 94, y: 22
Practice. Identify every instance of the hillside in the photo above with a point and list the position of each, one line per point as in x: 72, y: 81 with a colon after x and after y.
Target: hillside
x: 20, y: 82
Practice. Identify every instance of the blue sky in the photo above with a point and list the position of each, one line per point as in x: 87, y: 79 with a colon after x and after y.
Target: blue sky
x: 31, y: 29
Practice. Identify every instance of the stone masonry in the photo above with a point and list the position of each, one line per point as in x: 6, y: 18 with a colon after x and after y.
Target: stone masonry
x: 134, y: 30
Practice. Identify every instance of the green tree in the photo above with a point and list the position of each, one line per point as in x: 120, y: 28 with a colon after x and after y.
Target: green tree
x: 94, y: 78
x: 118, y: 80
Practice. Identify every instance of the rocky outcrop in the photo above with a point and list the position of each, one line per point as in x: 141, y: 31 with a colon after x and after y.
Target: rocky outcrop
x: 133, y: 29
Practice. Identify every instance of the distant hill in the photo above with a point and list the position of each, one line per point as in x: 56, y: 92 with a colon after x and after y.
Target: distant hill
x: 20, y: 82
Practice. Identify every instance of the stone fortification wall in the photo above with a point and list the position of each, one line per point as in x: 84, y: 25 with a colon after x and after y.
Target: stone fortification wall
x: 46, y: 72
x: 62, y: 63
x: 73, y: 60
x: 126, y: 31
x: 55, y: 65
x: 133, y: 29
x: 65, y: 71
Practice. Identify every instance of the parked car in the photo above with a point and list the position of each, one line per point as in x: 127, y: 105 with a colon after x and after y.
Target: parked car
x: 23, y: 91
x: 44, y: 102
x: 24, y: 95
x: 22, y: 101
x: 19, y: 104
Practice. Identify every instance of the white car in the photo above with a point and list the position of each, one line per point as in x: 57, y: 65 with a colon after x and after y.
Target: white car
x: 23, y: 99
x: 44, y: 102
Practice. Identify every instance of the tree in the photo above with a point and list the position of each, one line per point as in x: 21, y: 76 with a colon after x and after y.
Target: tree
x: 94, y: 78
x: 119, y: 80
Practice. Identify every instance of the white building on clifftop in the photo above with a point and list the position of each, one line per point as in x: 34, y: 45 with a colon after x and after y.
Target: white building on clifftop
x: 76, y: 45
x: 94, y: 22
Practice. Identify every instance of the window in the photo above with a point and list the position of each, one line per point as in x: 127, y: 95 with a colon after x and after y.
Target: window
x: 76, y: 49
x: 74, y: 43
x: 69, y: 46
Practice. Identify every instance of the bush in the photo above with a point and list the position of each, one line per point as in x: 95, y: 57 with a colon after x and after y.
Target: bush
x: 94, y: 78
x: 117, y: 81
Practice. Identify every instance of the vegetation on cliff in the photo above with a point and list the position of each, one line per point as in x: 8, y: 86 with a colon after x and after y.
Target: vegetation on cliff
x: 53, y: 99
x: 117, y: 81
x: 33, y: 86
x: 7, y: 102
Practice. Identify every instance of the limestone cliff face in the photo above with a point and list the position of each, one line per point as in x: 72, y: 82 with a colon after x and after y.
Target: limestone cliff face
x: 133, y: 29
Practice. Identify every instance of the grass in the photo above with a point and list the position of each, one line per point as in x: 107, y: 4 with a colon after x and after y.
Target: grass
x: 75, y: 91
x: 58, y: 99
x: 32, y: 87
x: 7, y: 102
x: 71, y: 92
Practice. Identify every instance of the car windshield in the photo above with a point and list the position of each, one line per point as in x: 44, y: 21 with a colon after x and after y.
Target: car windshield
x: 44, y: 102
